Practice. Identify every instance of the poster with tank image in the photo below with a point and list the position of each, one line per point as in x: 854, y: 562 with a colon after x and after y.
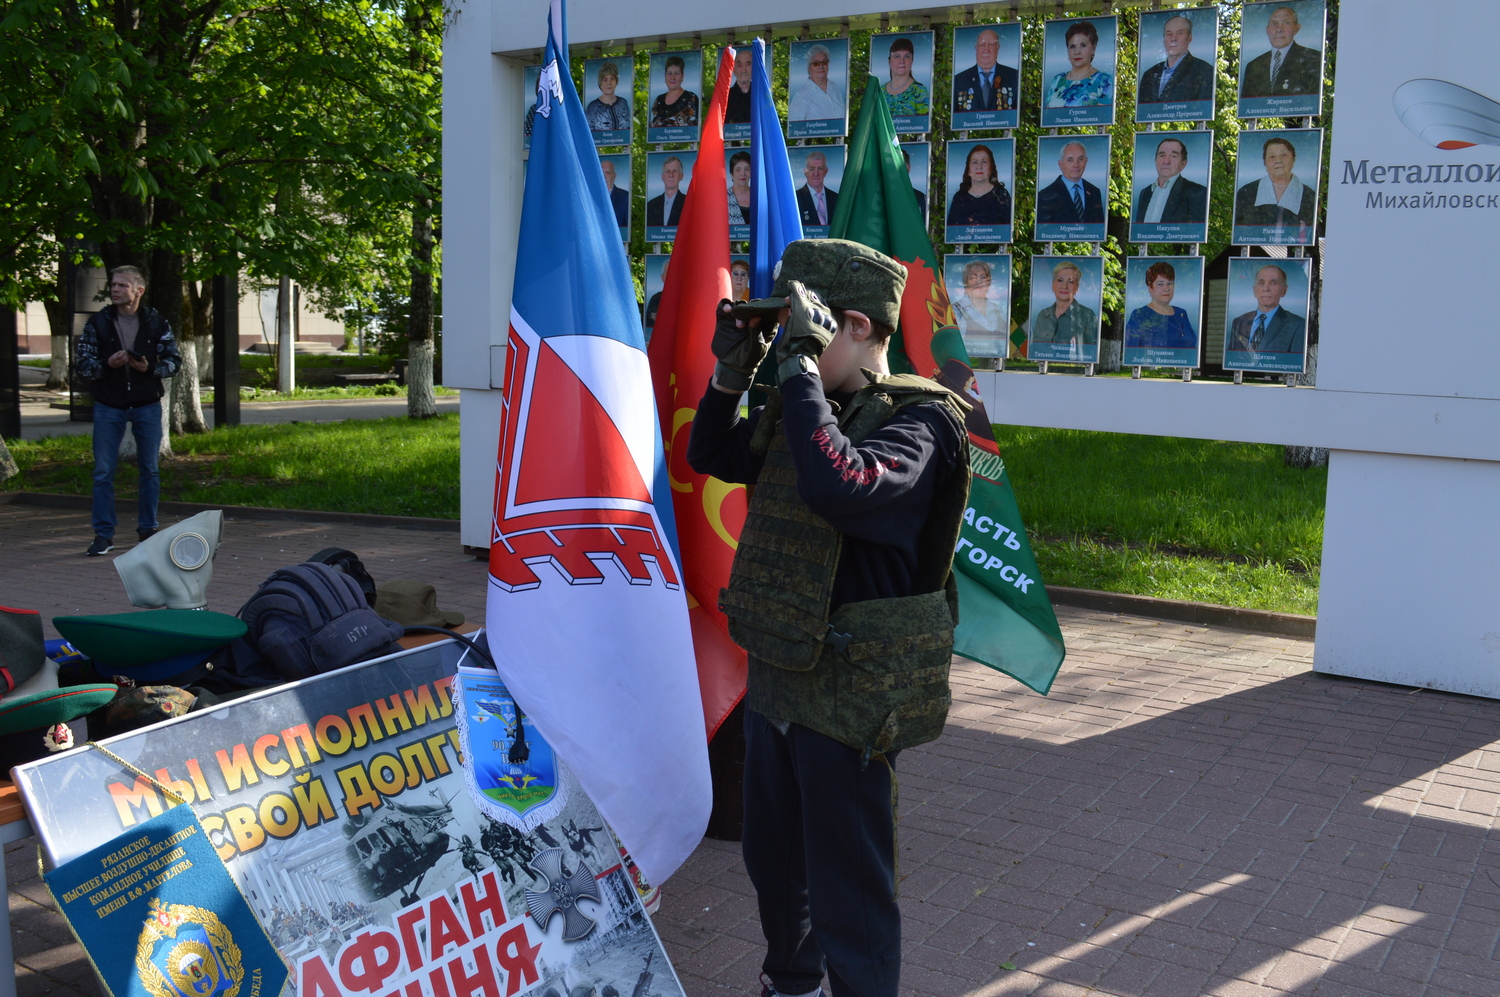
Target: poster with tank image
x: 338, y: 805
x: 979, y: 290
x: 1265, y: 322
x: 1163, y: 311
x: 987, y: 76
x: 1179, y: 50
x: 1067, y: 300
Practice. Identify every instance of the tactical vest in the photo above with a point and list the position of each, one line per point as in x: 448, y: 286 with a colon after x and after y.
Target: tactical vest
x: 874, y: 674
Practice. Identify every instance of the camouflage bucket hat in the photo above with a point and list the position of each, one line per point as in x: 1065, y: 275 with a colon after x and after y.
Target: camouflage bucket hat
x: 844, y: 274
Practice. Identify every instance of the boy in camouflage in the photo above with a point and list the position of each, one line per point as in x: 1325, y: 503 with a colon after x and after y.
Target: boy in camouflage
x: 841, y: 593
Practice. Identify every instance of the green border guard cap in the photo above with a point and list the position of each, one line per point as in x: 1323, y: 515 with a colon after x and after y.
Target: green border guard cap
x: 844, y: 274
x: 129, y: 640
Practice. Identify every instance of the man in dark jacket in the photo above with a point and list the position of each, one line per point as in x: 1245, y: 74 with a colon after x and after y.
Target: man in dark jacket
x: 1181, y: 76
x: 126, y: 350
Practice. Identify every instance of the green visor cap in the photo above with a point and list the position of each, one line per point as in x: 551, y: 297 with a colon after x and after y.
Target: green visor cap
x: 127, y: 640
x: 53, y: 706
x: 845, y: 275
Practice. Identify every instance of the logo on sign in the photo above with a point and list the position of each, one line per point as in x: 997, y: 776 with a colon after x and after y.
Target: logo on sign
x: 1446, y: 115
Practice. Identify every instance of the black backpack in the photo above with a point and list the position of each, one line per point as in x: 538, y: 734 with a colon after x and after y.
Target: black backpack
x: 312, y: 618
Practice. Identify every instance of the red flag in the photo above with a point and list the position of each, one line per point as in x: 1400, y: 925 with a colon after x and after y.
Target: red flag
x: 709, y: 512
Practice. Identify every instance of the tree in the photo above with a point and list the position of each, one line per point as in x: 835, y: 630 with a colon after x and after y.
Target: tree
x: 175, y: 136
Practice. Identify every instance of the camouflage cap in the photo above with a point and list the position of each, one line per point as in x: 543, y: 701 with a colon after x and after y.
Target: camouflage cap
x: 844, y: 274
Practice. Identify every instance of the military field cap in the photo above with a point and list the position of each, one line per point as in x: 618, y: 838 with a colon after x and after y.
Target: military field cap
x: 412, y: 604
x: 32, y: 727
x: 22, y: 649
x: 140, y: 707
x: 844, y: 274
x: 144, y: 645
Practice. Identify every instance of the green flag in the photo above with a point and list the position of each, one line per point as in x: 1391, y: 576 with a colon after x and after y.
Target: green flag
x: 1005, y: 617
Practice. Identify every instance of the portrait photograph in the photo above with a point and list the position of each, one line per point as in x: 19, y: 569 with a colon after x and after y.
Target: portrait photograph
x: 817, y: 175
x: 656, y: 276
x: 1179, y: 50
x: 1276, y: 187
x: 1072, y: 184
x: 668, y: 175
x: 739, y: 277
x: 1078, y: 71
x: 1067, y: 300
x: 616, y: 169
x: 1163, y: 311
x: 818, y: 89
x: 918, y: 159
x: 1265, y: 323
x: 608, y: 89
x: 979, y: 292
x: 737, y: 166
x: 531, y: 74
x: 1281, y: 59
x: 1170, y: 186
x: 737, y: 110
x: 978, y: 191
x: 675, y: 93
x: 986, y: 76
x: 902, y: 62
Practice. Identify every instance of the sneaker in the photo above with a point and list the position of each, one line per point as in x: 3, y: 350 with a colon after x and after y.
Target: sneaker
x: 101, y: 545
x: 767, y: 989
x: 142, y: 536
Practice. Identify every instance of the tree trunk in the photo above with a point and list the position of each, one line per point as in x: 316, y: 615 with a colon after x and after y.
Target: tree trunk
x: 420, y: 403
x: 8, y: 467
x: 187, y: 403
x: 59, y: 322
x: 1307, y: 457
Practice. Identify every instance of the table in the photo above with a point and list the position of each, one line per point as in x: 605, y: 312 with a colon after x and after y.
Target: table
x: 13, y: 827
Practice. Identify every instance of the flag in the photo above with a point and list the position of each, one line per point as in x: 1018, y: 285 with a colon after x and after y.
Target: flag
x: 773, y: 199
x: 586, y: 611
x: 710, y: 512
x: 1005, y: 617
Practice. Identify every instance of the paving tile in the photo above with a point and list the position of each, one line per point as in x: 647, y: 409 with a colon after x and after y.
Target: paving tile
x: 1192, y: 811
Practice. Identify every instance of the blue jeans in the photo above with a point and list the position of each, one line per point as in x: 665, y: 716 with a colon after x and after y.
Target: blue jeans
x: 109, y: 430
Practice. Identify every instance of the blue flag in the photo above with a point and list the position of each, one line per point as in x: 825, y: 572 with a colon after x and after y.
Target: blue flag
x: 774, y: 221
x: 585, y: 581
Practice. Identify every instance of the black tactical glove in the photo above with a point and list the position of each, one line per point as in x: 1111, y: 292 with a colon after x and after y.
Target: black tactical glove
x: 740, y: 349
x: 809, y: 329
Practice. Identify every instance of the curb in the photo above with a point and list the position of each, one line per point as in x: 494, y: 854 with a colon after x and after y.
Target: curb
x: 85, y: 503
x: 1201, y: 613
x: 1179, y: 610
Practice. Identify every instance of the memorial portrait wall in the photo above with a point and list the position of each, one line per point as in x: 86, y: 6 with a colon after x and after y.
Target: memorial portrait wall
x: 961, y: 104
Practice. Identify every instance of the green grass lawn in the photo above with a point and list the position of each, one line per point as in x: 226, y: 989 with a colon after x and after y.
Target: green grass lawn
x: 1176, y: 518
x: 397, y: 467
x: 327, y: 394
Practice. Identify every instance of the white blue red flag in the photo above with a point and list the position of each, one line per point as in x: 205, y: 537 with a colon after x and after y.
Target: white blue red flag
x: 587, y: 615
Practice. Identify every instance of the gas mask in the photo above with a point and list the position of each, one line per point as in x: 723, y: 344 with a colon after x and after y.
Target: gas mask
x: 172, y: 569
